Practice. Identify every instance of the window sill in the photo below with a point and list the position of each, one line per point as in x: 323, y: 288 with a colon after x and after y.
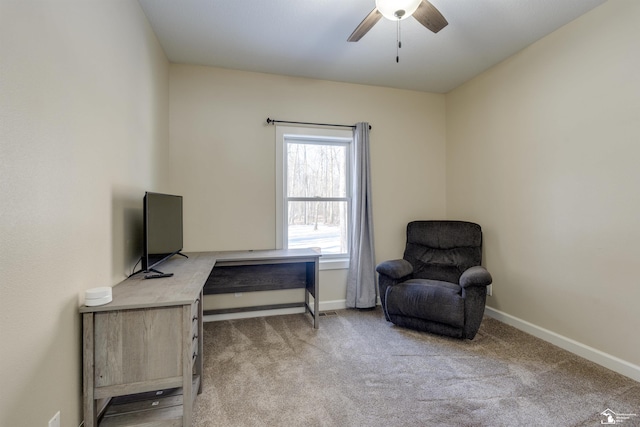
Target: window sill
x: 334, y: 264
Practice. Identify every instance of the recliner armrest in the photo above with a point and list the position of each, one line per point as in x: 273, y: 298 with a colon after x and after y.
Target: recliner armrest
x: 475, y: 276
x: 395, y: 268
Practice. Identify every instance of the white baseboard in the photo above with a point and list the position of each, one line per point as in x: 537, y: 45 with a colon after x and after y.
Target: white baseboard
x: 324, y: 306
x: 333, y: 305
x: 249, y: 314
x: 601, y: 358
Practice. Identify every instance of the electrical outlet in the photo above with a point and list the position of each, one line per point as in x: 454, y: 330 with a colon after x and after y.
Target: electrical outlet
x: 55, y: 421
x: 238, y: 294
x: 490, y: 290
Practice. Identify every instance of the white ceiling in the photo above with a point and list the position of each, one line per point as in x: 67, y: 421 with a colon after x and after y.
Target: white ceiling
x: 308, y: 38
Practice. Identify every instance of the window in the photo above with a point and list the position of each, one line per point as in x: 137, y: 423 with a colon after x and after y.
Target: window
x: 314, y: 189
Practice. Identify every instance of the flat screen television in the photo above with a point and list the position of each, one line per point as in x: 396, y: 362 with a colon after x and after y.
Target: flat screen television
x: 162, y: 226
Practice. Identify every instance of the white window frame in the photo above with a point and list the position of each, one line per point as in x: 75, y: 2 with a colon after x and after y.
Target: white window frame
x: 323, y: 136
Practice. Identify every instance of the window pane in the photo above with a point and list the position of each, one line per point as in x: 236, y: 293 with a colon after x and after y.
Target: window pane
x: 316, y: 170
x: 318, y: 224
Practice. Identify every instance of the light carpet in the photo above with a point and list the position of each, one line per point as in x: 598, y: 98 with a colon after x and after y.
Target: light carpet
x: 359, y: 370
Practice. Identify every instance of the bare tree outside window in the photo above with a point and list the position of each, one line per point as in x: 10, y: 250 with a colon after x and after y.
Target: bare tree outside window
x: 317, y: 195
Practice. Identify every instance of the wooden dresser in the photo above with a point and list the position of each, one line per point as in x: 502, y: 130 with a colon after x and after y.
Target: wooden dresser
x: 142, y: 352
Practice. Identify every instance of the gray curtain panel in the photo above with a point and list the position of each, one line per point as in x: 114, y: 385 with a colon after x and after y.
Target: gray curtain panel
x: 361, y: 279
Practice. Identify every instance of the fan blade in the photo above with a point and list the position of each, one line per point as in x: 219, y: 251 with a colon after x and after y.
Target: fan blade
x: 430, y: 17
x: 366, y: 24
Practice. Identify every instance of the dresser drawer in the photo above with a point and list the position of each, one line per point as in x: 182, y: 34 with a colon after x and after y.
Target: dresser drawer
x: 195, y: 309
x: 194, y: 347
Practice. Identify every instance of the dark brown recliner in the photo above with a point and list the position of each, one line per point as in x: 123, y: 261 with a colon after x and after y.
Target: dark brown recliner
x: 439, y: 285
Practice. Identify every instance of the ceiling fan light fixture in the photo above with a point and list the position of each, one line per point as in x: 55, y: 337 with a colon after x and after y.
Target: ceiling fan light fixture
x: 397, y: 10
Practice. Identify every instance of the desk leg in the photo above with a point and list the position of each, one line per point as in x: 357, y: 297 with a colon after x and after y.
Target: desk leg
x: 316, y: 313
x: 200, y: 358
x: 316, y: 294
x: 187, y: 366
x: 89, y: 403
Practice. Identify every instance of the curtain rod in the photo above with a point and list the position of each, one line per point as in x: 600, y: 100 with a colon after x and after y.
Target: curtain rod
x: 270, y: 122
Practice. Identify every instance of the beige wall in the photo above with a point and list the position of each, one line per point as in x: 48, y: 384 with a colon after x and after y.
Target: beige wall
x: 543, y: 151
x: 83, y: 132
x: 223, y: 154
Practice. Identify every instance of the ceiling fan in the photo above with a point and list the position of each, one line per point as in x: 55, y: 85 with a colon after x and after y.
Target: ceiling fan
x: 397, y: 10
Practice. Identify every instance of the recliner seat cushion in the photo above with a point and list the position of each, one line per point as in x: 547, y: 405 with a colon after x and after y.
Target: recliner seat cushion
x: 443, y: 299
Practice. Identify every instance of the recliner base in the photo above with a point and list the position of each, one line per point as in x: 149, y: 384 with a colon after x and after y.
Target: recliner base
x: 425, y: 326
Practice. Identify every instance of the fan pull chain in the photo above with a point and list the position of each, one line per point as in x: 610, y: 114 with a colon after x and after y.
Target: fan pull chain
x: 399, y: 45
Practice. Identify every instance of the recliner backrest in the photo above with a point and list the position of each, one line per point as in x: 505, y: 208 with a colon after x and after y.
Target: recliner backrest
x: 443, y: 250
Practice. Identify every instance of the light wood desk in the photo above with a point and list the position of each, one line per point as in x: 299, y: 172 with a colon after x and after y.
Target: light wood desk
x: 146, y: 345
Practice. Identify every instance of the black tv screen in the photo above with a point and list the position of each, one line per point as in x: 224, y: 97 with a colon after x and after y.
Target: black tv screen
x: 162, y: 228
